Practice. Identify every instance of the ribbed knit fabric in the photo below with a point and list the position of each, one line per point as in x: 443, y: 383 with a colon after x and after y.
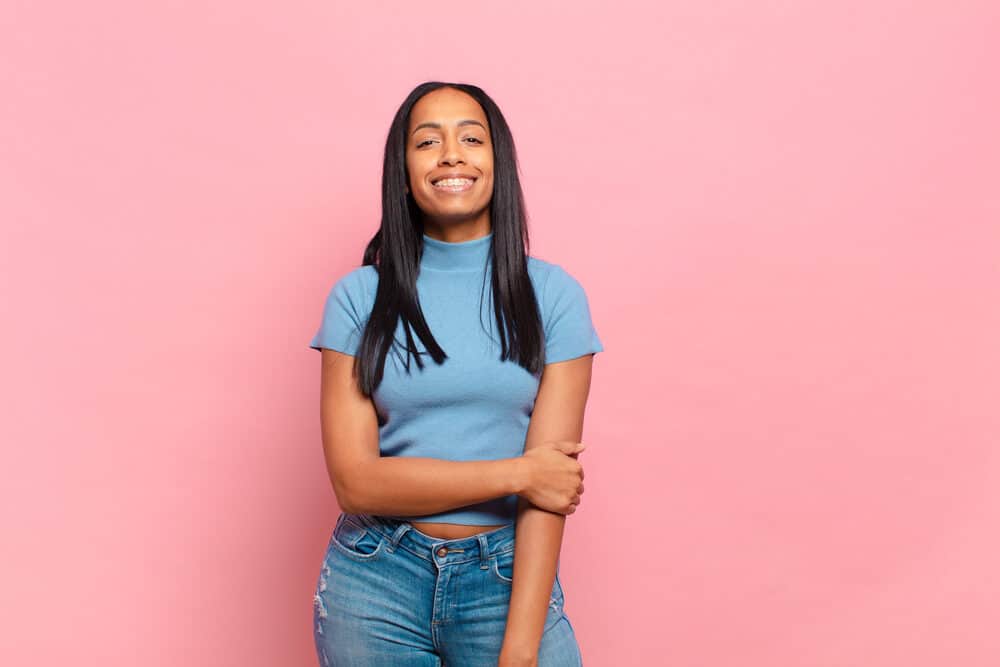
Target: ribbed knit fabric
x: 473, y: 406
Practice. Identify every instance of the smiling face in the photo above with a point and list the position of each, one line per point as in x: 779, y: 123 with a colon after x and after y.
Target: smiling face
x: 449, y: 158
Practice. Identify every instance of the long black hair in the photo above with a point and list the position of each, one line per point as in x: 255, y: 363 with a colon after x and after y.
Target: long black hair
x: 397, y: 247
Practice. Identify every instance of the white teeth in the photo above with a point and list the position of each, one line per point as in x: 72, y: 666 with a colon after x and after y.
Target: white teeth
x: 452, y: 182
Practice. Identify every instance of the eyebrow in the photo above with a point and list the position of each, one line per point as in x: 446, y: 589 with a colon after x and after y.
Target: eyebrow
x: 467, y: 121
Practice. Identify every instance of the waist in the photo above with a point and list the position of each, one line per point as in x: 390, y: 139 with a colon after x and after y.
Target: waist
x: 451, y: 531
x: 428, y: 533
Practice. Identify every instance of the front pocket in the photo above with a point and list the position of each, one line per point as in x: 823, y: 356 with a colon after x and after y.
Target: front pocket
x: 356, y: 541
x: 503, y: 566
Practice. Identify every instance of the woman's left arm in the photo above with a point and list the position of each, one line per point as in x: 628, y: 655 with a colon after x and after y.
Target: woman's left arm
x: 558, y: 415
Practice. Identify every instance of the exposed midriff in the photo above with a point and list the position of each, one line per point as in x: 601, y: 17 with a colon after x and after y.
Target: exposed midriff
x: 451, y: 531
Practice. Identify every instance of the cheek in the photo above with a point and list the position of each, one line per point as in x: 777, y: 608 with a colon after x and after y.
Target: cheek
x: 487, y: 172
x: 414, y: 168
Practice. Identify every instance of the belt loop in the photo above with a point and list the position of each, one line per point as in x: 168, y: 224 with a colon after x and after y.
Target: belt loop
x: 383, y: 525
x: 397, y: 535
x: 484, y: 552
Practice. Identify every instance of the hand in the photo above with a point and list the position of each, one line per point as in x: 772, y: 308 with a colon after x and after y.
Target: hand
x: 512, y: 658
x: 552, y: 478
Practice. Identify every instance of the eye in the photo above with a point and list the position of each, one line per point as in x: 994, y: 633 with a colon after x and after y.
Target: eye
x: 427, y: 141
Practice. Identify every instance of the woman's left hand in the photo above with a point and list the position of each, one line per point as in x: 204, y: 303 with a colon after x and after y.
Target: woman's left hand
x: 511, y: 658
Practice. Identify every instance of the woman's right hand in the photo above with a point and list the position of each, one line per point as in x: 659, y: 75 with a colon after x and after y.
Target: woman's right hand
x: 552, y: 477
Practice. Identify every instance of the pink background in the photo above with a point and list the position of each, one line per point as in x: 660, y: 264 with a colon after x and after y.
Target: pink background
x: 786, y: 216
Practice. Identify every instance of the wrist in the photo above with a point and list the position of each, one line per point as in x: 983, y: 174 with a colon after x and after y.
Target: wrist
x: 518, y: 656
x: 516, y: 475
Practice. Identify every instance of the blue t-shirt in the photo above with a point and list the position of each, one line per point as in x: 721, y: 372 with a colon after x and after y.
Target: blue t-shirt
x: 473, y: 406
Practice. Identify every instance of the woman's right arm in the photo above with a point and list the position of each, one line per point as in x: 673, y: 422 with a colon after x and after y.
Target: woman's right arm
x: 366, y: 482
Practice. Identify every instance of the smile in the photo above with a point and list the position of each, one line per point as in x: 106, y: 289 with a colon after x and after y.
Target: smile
x: 454, y: 184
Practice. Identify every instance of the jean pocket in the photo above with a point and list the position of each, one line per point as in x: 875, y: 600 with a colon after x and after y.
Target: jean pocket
x: 356, y: 541
x: 502, y: 566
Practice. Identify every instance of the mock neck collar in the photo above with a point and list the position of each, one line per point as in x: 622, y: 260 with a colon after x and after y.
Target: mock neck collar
x: 462, y: 256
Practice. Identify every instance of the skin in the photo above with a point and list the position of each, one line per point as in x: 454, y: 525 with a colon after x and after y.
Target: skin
x: 558, y: 415
x: 432, y: 152
x: 454, y: 146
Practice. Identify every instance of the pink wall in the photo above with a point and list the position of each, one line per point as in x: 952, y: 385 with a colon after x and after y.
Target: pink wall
x: 786, y: 216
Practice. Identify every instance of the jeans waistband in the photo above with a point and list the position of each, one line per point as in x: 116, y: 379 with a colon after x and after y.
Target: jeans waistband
x: 485, y: 544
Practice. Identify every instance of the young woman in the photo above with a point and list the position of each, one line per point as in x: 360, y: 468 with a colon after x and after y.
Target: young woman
x: 455, y: 375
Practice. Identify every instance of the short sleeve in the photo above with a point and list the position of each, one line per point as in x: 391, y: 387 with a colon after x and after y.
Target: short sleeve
x: 569, y: 331
x: 345, y: 314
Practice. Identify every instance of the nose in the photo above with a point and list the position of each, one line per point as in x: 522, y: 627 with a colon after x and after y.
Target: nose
x: 450, y: 152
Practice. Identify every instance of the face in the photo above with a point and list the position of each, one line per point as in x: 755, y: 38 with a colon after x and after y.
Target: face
x: 449, y: 137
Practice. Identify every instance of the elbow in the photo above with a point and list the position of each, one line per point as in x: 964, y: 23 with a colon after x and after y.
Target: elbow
x: 350, y: 505
x: 352, y: 484
x: 345, y: 499
x: 349, y: 497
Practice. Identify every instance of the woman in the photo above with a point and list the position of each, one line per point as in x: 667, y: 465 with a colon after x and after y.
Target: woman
x: 469, y: 431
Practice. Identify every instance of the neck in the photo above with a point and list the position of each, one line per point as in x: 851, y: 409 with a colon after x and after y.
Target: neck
x: 471, y: 255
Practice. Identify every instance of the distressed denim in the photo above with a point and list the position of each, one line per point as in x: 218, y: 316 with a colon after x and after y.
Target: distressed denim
x: 390, y: 595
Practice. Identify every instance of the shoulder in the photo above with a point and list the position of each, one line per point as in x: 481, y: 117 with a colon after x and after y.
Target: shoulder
x: 358, y: 284
x: 569, y: 330
x: 362, y: 277
x: 348, y: 305
x: 553, y: 282
x: 354, y: 292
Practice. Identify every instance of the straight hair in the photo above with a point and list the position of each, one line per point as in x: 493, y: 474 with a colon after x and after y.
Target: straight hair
x: 396, y: 248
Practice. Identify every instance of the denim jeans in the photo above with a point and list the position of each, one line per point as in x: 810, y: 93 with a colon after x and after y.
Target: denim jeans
x: 390, y: 595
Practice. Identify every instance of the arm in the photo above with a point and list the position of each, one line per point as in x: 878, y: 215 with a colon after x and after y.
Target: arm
x: 558, y: 415
x: 413, y: 486
x: 364, y: 481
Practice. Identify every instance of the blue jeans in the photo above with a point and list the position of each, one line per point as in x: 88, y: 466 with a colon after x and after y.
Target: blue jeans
x: 390, y: 595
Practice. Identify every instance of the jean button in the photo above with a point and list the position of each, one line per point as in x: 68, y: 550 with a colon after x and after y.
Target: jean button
x: 443, y: 551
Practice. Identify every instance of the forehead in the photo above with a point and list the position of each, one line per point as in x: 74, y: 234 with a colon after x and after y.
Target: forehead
x: 446, y: 106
